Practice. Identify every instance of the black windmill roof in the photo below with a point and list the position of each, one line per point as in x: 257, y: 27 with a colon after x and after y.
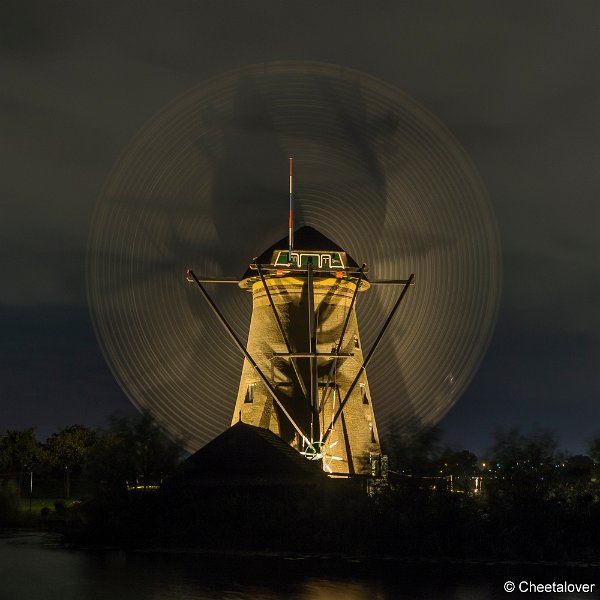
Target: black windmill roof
x: 305, y: 238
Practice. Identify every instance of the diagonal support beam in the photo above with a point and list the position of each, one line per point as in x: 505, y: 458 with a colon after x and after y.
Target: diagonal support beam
x: 369, y: 356
x: 312, y: 338
x: 245, y: 352
x: 282, y: 332
x: 325, y: 394
x: 358, y: 283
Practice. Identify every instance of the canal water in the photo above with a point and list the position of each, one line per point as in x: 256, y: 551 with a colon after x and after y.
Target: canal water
x: 36, y: 566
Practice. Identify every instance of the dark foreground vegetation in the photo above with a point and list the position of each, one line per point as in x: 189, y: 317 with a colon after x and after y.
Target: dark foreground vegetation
x: 77, y: 464
x: 526, y: 500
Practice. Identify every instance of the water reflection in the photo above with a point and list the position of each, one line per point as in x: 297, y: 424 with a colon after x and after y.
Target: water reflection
x: 320, y: 589
x: 36, y: 567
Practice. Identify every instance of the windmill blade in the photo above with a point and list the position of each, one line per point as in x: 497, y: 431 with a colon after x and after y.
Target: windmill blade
x: 205, y: 185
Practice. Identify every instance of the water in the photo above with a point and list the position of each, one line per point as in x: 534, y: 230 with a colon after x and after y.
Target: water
x: 35, y: 566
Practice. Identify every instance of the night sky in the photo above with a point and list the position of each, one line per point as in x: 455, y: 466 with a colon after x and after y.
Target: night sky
x: 518, y: 84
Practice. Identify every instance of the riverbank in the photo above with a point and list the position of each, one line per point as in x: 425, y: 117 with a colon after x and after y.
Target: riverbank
x: 442, y: 527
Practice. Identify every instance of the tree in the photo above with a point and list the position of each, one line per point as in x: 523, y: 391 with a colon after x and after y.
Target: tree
x: 524, y: 465
x: 461, y: 465
x: 594, y: 451
x: 19, y: 452
x: 594, y: 455
x: 415, y: 452
x: 67, y: 451
x: 132, y: 451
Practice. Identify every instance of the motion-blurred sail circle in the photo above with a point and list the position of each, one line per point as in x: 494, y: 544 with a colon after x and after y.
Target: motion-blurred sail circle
x: 204, y: 185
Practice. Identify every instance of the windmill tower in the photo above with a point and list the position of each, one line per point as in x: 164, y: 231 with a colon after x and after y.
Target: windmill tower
x: 304, y: 338
x: 304, y: 374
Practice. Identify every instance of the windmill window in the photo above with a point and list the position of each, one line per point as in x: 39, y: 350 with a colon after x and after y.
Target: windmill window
x: 372, y: 433
x: 363, y: 393
x: 356, y: 342
x: 249, y: 394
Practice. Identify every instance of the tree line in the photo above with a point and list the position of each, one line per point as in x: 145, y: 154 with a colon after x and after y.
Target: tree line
x: 134, y: 452
x: 516, y: 463
x: 130, y: 451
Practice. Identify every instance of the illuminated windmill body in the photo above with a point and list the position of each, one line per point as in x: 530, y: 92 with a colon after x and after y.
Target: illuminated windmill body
x: 304, y: 338
x: 304, y: 375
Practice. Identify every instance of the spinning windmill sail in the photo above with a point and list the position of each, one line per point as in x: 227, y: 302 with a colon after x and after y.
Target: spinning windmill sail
x: 201, y: 185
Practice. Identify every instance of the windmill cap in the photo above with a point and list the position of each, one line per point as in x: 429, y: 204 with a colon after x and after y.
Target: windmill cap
x: 305, y: 238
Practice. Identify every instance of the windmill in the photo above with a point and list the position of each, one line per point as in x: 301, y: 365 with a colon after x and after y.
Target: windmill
x: 381, y: 181
x: 304, y: 374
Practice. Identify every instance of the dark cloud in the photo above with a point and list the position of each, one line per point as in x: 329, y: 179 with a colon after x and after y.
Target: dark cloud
x: 517, y: 83
x: 33, y: 28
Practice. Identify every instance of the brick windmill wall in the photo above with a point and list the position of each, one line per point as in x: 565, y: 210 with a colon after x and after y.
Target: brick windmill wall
x: 354, y: 437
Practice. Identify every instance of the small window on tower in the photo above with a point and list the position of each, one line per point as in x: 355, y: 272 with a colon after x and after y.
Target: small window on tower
x: 250, y: 394
x: 356, y: 343
x: 372, y: 433
x: 363, y: 393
